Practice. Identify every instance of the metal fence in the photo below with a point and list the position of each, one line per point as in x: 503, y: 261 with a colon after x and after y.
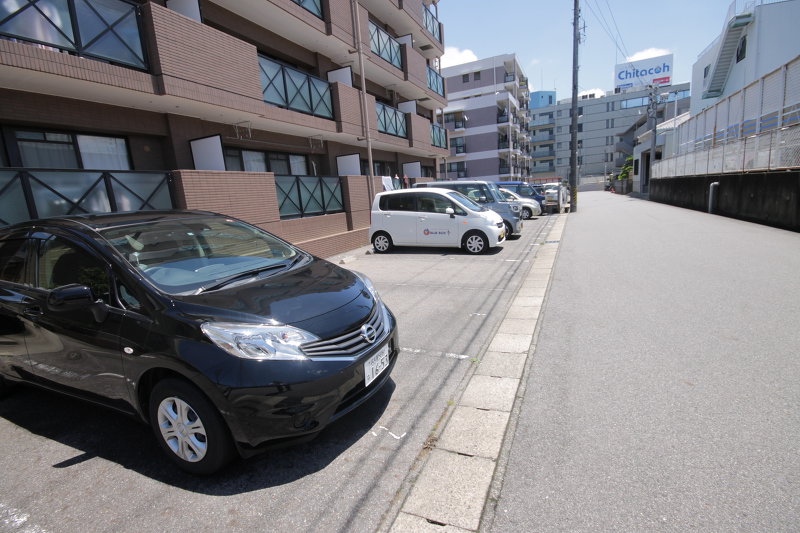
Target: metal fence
x: 756, y: 128
x: 293, y: 89
x: 304, y: 196
x: 29, y: 194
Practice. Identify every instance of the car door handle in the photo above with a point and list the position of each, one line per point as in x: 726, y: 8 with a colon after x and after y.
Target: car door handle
x: 32, y: 311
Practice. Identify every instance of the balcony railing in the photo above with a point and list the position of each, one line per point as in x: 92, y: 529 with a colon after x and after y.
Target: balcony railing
x: 435, y: 82
x: 438, y: 136
x: 509, y: 78
x: 28, y: 194
x: 505, y: 169
x: 461, y: 148
x: 385, y: 46
x: 313, y: 6
x: 391, y: 120
x: 502, y: 145
x: 304, y: 196
x: 432, y: 24
x: 502, y: 118
x: 293, y: 89
x: 102, y: 29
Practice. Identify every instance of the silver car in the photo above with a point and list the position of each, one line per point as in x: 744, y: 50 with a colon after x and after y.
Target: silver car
x: 530, y: 207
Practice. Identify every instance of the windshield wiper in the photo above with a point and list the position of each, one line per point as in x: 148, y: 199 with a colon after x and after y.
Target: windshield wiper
x: 241, y: 275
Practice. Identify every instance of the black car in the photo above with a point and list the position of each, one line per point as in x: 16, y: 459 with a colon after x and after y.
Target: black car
x: 222, y: 336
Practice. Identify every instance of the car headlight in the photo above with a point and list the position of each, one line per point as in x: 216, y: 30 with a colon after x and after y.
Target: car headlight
x: 259, y: 341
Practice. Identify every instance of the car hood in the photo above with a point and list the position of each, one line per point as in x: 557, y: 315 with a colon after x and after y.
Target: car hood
x: 319, y: 297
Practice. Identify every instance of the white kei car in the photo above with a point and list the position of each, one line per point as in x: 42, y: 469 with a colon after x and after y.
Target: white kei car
x: 433, y: 217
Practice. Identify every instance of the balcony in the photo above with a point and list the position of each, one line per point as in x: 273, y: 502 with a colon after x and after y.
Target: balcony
x: 503, y: 145
x: 509, y: 78
x: 435, y: 82
x: 543, y: 138
x: 438, y: 136
x: 391, y: 121
x: 432, y: 24
x: 385, y: 46
x: 292, y: 89
x: 502, y: 118
x: 543, y: 122
x: 108, y: 31
x: 312, y: 6
x: 504, y: 169
x: 543, y: 154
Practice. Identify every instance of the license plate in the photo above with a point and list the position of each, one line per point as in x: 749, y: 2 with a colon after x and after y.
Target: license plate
x: 375, y: 365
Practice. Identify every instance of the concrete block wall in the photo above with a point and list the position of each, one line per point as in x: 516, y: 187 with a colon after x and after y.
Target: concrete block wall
x: 766, y: 197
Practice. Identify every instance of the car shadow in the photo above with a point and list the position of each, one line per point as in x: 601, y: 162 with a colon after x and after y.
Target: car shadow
x: 98, y: 432
x: 428, y: 250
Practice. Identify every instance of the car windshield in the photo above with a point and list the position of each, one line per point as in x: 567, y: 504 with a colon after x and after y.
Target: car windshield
x: 526, y: 190
x: 465, y: 201
x: 194, y: 254
x: 508, y: 195
x: 498, y: 196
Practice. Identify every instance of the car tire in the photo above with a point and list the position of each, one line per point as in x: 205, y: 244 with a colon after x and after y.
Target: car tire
x: 189, y: 428
x: 382, y: 242
x: 527, y: 214
x: 509, y: 229
x: 476, y: 243
x: 5, y: 387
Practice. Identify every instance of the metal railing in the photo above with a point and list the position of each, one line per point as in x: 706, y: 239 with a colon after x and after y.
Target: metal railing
x: 27, y: 194
x: 771, y: 150
x: 304, y: 196
x: 385, y: 46
x: 391, y: 120
x: 502, y: 118
x: 438, y: 136
x: 108, y: 30
x: 293, y: 89
x: 435, y: 82
x: 312, y: 6
x: 432, y: 24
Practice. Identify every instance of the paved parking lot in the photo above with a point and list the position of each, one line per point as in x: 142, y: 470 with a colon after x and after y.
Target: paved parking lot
x: 69, y: 466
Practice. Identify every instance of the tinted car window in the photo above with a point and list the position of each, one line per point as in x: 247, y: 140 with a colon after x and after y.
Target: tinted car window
x: 398, y: 202
x: 12, y: 260
x: 62, y: 263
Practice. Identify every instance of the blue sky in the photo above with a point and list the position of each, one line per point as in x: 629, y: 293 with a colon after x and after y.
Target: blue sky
x: 540, y: 33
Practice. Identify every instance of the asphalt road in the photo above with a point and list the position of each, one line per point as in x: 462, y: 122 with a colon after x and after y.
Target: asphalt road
x: 72, y: 467
x: 664, y: 390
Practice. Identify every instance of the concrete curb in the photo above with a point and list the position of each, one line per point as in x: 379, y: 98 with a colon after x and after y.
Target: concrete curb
x: 450, y: 491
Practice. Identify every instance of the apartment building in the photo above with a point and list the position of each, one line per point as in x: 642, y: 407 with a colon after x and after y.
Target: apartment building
x: 603, y: 120
x: 270, y: 110
x: 486, y: 120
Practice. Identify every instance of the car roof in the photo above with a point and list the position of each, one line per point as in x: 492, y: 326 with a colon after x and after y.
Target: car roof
x: 417, y: 190
x: 97, y: 222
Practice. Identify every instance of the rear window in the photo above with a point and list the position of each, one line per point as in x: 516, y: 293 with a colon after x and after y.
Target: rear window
x: 398, y: 202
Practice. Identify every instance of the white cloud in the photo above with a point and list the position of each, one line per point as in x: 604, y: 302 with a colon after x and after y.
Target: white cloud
x: 648, y: 53
x: 454, y: 56
x: 596, y: 92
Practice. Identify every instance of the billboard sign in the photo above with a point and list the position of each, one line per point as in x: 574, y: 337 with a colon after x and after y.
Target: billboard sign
x: 651, y: 71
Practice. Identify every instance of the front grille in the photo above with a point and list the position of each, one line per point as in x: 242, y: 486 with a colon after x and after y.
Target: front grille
x: 351, y: 343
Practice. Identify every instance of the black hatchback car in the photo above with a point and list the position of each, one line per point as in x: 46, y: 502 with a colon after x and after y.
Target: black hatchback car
x: 220, y: 335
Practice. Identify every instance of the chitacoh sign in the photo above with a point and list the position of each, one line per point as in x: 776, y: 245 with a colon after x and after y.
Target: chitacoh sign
x: 651, y: 71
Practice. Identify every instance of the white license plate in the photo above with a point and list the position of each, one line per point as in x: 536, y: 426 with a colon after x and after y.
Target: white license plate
x: 375, y: 365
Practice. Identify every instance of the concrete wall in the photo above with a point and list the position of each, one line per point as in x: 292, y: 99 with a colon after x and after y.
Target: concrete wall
x: 767, y: 197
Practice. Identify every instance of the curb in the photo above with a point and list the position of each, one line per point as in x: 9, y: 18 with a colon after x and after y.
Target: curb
x: 450, y: 491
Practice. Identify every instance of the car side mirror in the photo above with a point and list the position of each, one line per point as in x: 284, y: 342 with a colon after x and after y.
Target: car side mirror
x: 450, y: 211
x: 74, y: 297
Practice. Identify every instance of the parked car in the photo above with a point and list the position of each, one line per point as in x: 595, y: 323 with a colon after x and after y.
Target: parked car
x: 433, y: 217
x: 530, y: 207
x: 526, y: 190
x: 487, y: 194
x: 218, y: 334
x: 556, y: 198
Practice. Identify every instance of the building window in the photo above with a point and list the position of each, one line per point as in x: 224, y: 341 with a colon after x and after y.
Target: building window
x: 550, y: 99
x: 476, y: 76
x: 465, y: 78
x: 705, y: 71
x: 741, y: 50
x: 609, y: 123
x: 48, y: 149
x: 280, y: 164
x: 558, y: 113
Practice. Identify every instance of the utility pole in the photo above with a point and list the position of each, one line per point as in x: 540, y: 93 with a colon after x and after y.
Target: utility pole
x: 573, y: 156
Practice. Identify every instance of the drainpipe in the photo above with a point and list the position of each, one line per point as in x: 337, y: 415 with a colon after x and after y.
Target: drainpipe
x: 713, y: 192
x: 365, y: 117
